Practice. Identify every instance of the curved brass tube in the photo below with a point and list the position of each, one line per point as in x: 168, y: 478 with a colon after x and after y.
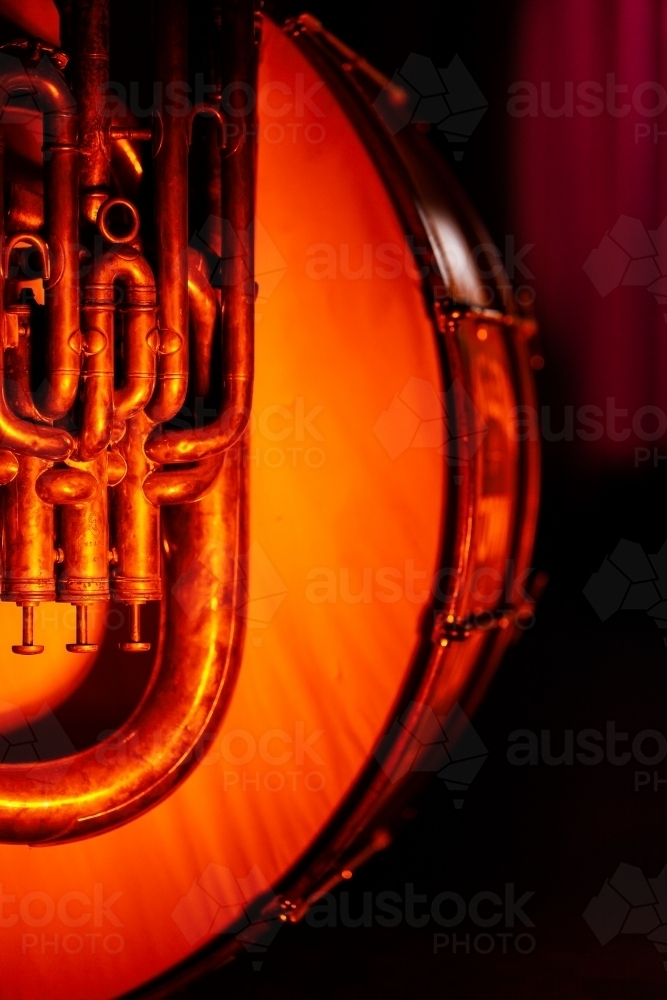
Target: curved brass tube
x: 116, y: 467
x: 200, y: 649
x: 17, y: 434
x: 51, y: 443
x: 35, y: 241
x: 25, y: 438
x: 17, y: 328
x: 61, y: 169
x: 182, y: 485
x: 100, y: 402
x: 17, y: 363
x: 65, y: 486
x: 213, y: 439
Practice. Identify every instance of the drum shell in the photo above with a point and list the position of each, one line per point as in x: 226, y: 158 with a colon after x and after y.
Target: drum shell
x: 424, y: 193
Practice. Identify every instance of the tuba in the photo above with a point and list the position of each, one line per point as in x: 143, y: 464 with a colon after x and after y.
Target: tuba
x: 269, y: 481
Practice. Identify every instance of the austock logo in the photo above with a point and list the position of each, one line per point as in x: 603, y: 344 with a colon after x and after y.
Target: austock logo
x: 420, y: 93
x: 629, y: 579
x: 447, y: 746
x: 261, y: 590
x: 629, y: 903
x: 418, y: 417
x: 56, y: 923
x: 629, y: 255
x: 34, y: 738
x: 27, y: 104
x: 219, y: 903
x: 446, y: 909
x: 217, y: 232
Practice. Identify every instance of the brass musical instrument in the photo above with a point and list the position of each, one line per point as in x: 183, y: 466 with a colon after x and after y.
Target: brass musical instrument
x: 89, y: 463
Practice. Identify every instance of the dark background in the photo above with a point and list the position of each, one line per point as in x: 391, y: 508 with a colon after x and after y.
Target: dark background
x: 556, y: 831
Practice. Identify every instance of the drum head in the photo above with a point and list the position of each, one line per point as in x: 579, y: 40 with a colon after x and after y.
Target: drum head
x: 347, y: 497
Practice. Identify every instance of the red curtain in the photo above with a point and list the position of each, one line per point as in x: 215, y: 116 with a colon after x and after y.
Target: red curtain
x: 588, y: 113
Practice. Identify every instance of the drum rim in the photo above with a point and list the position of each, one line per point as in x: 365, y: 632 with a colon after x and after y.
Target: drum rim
x: 356, y: 831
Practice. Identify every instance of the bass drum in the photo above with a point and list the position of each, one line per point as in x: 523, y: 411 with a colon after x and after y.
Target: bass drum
x: 390, y: 491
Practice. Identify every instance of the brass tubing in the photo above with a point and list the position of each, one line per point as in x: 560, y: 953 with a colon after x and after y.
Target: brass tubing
x: 66, y: 486
x: 200, y: 651
x: 9, y: 467
x: 135, y: 574
x: 24, y: 438
x: 239, y: 65
x: 171, y: 207
x: 61, y: 200
x: 36, y: 242
x: 97, y: 391
x: 201, y: 634
x: 212, y: 71
x: 16, y: 434
x: 83, y: 537
x: 27, y: 539
x: 51, y: 443
x: 116, y: 467
x: 25, y: 209
x: 90, y: 77
x: 62, y: 292
x: 140, y: 342
x: 187, y: 485
x: 182, y: 485
x: 126, y: 265
x: 131, y: 134
x: 203, y: 315
x: 17, y: 362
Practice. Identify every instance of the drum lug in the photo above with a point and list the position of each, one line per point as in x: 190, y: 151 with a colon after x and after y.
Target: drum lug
x: 450, y: 628
x: 453, y: 628
x: 294, y: 909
